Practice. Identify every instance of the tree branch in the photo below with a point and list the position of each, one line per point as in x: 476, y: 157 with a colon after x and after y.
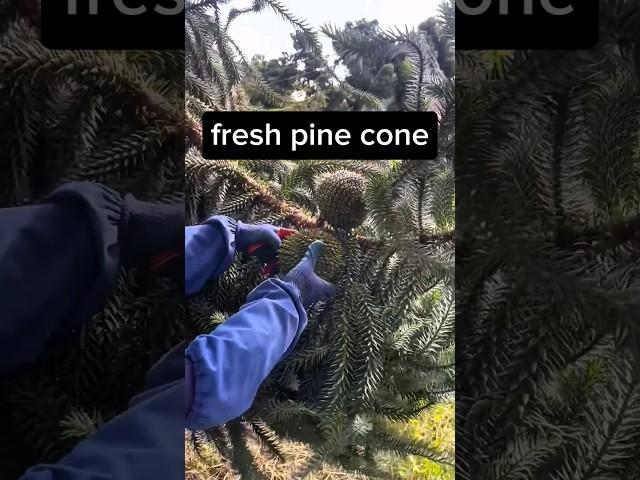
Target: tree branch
x: 429, y: 239
x: 263, y: 193
x: 601, y: 239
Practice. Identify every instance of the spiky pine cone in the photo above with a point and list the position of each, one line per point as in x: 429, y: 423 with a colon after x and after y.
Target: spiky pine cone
x: 293, y: 249
x: 340, y: 196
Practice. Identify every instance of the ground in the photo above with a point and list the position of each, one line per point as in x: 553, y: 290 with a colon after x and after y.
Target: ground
x: 435, y: 426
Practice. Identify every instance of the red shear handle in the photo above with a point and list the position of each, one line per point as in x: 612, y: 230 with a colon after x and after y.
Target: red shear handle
x: 159, y: 262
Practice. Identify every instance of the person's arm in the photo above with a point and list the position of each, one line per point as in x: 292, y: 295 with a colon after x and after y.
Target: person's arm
x: 225, y: 368
x: 144, y: 442
x: 208, y: 250
x: 60, y: 259
x: 147, y: 440
x: 210, y: 247
x: 230, y: 364
x: 59, y: 263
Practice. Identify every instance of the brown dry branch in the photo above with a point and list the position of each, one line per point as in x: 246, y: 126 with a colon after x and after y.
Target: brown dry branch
x: 193, y: 130
x: 601, y: 239
x: 196, y: 166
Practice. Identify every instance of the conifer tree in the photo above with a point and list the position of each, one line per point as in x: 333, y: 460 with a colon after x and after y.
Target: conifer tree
x: 122, y: 119
x: 547, y: 266
x: 383, y: 350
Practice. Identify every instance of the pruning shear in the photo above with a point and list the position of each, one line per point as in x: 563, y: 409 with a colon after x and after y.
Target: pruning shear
x: 169, y: 263
x: 268, y: 255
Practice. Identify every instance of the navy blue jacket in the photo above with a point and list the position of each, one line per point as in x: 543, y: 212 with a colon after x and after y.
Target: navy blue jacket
x: 230, y: 363
x: 59, y: 265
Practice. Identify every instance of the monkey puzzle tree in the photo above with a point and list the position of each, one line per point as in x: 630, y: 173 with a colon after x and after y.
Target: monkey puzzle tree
x: 547, y: 158
x: 411, y: 55
x: 215, y: 64
x: 383, y: 350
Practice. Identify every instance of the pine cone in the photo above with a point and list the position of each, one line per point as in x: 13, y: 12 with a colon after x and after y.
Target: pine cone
x: 340, y: 196
x: 294, y: 248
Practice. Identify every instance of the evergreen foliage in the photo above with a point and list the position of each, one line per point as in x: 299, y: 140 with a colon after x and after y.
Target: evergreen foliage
x: 383, y: 350
x: 409, y: 55
x: 112, y: 117
x: 547, y: 157
x: 216, y: 66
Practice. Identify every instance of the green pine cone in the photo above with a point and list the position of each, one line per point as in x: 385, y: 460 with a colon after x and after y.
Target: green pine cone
x: 294, y: 248
x: 340, y: 196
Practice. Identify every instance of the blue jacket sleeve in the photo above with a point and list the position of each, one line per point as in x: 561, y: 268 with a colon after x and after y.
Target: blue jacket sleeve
x: 209, y: 250
x: 230, y: 363
x: 59, y: 262
x: 145, y: 442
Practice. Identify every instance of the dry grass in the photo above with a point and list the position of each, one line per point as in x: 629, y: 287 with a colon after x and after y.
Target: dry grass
x: 210, y: 466
x: 435, y: 427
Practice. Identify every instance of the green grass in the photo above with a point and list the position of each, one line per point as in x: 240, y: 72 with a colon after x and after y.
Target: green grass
x: 435, y: 427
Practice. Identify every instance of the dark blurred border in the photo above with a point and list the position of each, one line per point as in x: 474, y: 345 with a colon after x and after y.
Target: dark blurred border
x: 548, y: 242
x: 115, y: 118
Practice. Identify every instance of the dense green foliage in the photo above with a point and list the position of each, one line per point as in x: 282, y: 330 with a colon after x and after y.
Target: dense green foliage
x: 547, y: 266
x: 383, y: 350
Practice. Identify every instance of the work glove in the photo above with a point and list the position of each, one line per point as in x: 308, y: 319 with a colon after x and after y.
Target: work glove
x: 312, y: 288
x: 148, y: 229
x: 248, y: 234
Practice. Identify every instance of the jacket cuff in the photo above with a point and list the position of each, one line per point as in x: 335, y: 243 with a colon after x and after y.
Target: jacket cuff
x: 228, y: 224
x: 188, y: 384
x: 201, y: 389
x: 209, y: 251
x: 103, y: 210
x: 229, y: 228
x: 293, y: 292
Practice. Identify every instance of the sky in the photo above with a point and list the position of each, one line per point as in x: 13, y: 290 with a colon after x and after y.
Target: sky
x: 267, y: 34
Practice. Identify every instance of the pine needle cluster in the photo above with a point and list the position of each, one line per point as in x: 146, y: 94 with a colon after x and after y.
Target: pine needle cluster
x: 383, y: 350
x: 547, y: 159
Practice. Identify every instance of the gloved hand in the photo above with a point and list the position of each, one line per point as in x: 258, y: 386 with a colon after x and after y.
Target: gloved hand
x: 148, y: 229
x: 248, y: 234
x: 312, y: 288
